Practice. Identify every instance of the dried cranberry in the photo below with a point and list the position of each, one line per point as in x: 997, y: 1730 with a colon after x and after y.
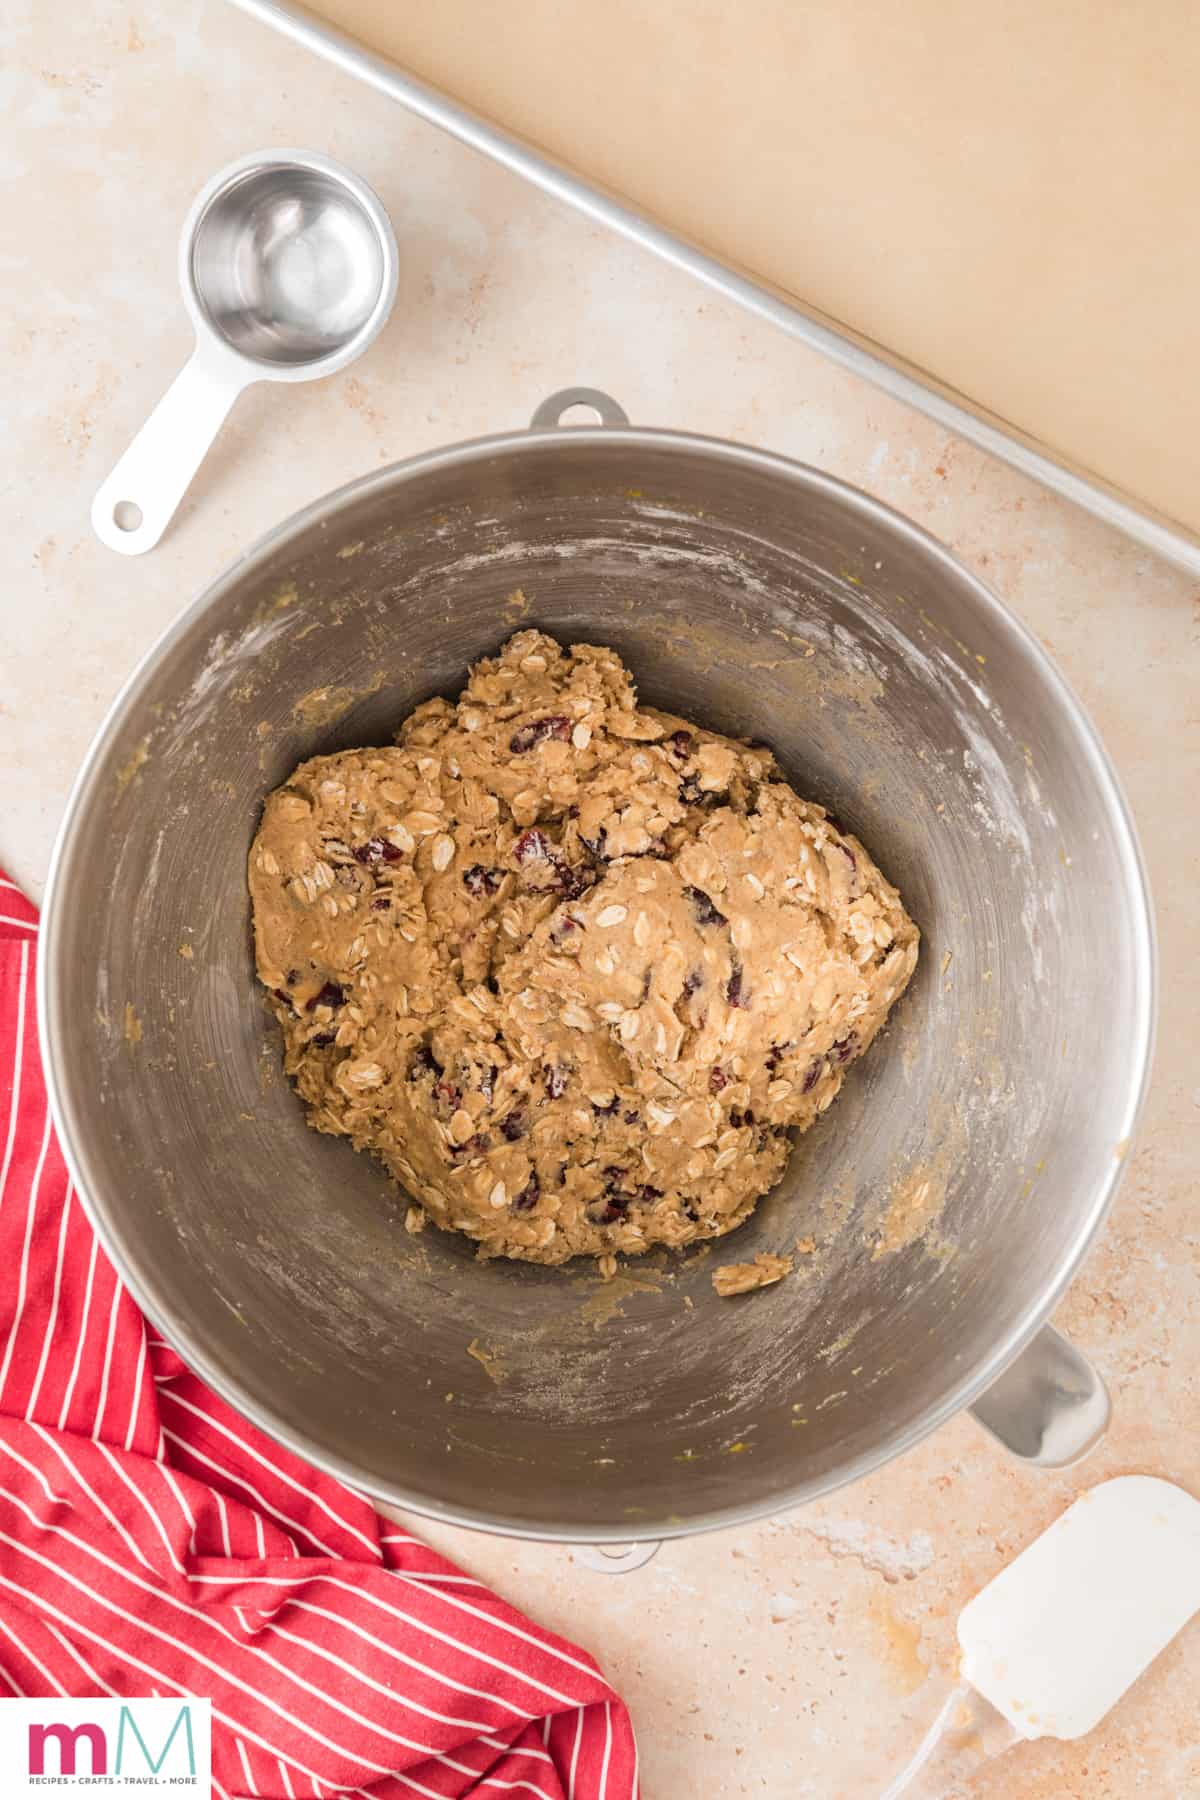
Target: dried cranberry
x: 564, y: 925
x: 474, y: 1146
x: 322, y: 1038
x: 573, y: 879
x: 557, y: 725
x: 692, y: 983
x: 596, y: 846
x: 680, y: 744
x: 447, y: 1093
x: 716, y: 1080
x: 527, y: 1199
x: 735, y: 991
x: 556, y: 1081
x: 377, y: 850
x: 631, y: 1117
x: 614, y: 1207
x: 285, y: 999
x: 380, y: 905
x: 532, y: 846
x: 513, y: 1127
x: 775, y: 1056
x: 706, y: 913
x: 845, y: 1048
x: 814, y: 1075
x: 645, y: 1195
x: 847, y: 852
x: 606, y: 1112
x: 477, y: 880
x: 330, y: 995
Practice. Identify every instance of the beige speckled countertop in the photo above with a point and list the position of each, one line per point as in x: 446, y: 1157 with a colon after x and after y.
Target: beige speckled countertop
x: 799, y: 1657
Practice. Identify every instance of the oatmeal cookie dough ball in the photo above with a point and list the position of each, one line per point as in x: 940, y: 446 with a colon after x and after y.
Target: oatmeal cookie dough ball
x: 574, y: 969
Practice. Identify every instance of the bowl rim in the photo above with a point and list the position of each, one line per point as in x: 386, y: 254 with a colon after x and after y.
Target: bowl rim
x: 972, y: 1382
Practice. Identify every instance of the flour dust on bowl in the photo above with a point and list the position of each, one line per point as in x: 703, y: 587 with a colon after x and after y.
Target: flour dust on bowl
x: 948, y: 1195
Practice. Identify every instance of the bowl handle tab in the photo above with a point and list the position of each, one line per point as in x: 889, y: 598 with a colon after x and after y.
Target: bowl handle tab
x: 615, y: 1559
x: 1049, y: 1407
x: 550, y: 412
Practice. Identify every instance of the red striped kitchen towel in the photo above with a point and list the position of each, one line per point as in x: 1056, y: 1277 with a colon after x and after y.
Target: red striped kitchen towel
x: 153, y: 1542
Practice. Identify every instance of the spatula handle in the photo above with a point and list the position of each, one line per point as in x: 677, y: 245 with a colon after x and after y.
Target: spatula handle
x: 968, y: 1731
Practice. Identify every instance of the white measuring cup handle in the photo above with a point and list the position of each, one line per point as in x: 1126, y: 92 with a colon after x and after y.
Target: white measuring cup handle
x: 136, y: 504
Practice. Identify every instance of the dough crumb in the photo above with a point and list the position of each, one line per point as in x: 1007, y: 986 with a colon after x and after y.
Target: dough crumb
x: 741, y: 1278
x: 488, y: 1361
x: 913, y: 1203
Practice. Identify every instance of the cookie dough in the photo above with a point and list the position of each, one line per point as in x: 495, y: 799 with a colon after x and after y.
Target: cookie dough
x: 574, y: 969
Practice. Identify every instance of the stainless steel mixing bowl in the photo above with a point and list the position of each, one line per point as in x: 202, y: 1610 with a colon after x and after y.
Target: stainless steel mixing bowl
x: 767, y: 600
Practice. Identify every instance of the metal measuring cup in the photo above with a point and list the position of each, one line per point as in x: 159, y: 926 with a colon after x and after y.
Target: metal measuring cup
x: 288, y: 266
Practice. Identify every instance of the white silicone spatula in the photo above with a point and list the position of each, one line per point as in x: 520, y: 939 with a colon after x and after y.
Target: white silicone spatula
x: 1059, y: 1635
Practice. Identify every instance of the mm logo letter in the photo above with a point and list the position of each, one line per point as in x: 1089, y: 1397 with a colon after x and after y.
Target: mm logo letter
x: 67, y: 1738
x: 183, y: 1717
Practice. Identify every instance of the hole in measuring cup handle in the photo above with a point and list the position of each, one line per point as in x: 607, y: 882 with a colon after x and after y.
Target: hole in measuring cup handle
x: 127, y: 515
x: 616, y: 1559
x: 552, y: 409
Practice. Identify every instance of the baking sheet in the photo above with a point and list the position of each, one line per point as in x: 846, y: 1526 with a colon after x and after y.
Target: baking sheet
x: 1000, y: 196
